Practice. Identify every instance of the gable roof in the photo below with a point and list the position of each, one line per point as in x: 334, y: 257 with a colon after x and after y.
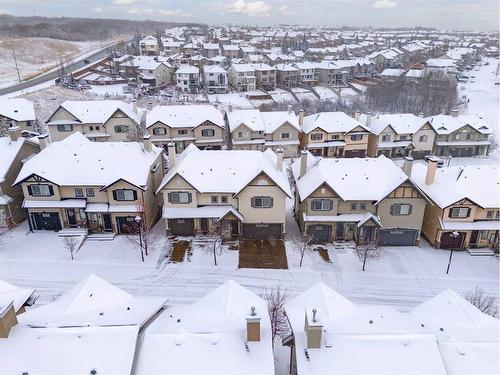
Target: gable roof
x: 401, y: 123
x: 12, y: 294
x: 331, y: 122
x: 446, y: 124
x: 251, y: 118
x: 8, y: 151
x: 184, y: 116
x: 18, y: 109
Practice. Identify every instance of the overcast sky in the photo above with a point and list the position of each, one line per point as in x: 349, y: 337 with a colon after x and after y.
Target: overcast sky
x: 443, y: 14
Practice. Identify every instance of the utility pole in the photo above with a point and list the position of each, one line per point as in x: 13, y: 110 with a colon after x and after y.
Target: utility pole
x: 17, y: 66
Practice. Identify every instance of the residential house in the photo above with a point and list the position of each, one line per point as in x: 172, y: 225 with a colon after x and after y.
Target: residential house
x: 235, y: 193
x: 364, y: 200
x: 230, y: 50
x: 265, y: 76
x: 331, y: 334
x: 98, y: 120
x: 17, y: 112
x: 211, y: 50
x: 172, y: 47
x: 16, y: 297
x: 399, y: 135
x: 95, y: 187
x: 149, y: 46
x: 465, y: 210
x: 329, y: 73
x: 215, y: 79
x: 334, y: 134
x: 287, y: 75
x: 392, y: 75
x: 190, y: 49
x: 242, y: 77
x: 228, y: 331
x: 15, y: 150
x: 188, y: 79
x: 182, y: 125
x: 461, y: 135
x: 153, y: 71
x: 307, y: 73
x: 385, y: 58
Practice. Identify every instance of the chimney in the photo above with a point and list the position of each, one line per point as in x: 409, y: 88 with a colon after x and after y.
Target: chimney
x: 289, y: 108
x: 301, y: 117
x: 134, y: 105
x: 356, y: 115
x: 454, y: 113
x: 313, y: 328
x: 421, y: 114
x: 171, y: 155
x: 303, y: 162
x: 14, y: 133
x: 230, y: 108
x: 8, y: 320
x: 146, y: 140
x: 43, y: 141
x: 408, y: 165
x: 368, y: 119
x: 279, y: 152
x: 253, y: 325
x: 431, y: 171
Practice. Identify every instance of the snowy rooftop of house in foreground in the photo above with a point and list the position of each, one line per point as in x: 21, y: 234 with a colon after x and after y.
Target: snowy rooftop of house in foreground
x: 93, y: 302
x: 225, y: 171
x: 402, y: 123
x: 17, y: 109
x: 184, y: 116
x: 477, y: 183
x: 10, y: 293
x: 352, y: 179
x: 208, y: 337
x: 78, y: 161
x: 256, y: 120
x: 331, y: 122
x: 8, y: 151
x: 446, y: 124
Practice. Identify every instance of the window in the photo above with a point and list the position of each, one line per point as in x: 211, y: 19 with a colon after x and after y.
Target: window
x: 124, y: 195
x: 351, y: 227
x: 484, y: 234
x: 79, y: 192
x: 489, y: 214
x: 159, y: 131
x: 65, y: 128
x: 94, y: 218
x: 40, y: 190
x: 262, y: 202
x: 285, y: 135
x: 456, y: 136
x: 97, y: 128
x: 180, y: 197
x: 207, y: 133
x: 121, y: 128
x: 459, y: 212
x: 316, y: 137
x: 362, y: 206
x: 89, y: 192
x: 354, y: 206
x: 91, y: 128
x: 240, y: 134
x: 356, y: 137
x: 321, y: 205
x: 423, y: 138
x: 336, y: 136
x: 497, y: 214
x: 215, y: 199
x: 403, y: 137
x: 182, y: 131
x: 401, y: 209
x: 386, y: 138
x: 223, y: 199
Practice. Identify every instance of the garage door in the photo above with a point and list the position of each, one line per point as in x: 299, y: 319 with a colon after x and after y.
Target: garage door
x: 354, y: 153
x: 46, y: 221
x: 449, y: 242
x: 397, y: 237
x: 126, y: 225
x: 320, y: 233
x: 261, y: 231
x: 181, y: 227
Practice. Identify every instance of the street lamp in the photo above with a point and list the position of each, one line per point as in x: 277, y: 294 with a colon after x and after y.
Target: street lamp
x: 454, y: 236
x: 138, y: 221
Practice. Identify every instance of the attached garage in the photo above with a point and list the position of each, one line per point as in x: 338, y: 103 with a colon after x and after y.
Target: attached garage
x: 450, y: 242
x: 320, y: 233
x: 126, y: 225
x: 181, y: 227
x: 45, y: 221
x: 397, y: 237
x: 355, y: 153
x: 262, y: 231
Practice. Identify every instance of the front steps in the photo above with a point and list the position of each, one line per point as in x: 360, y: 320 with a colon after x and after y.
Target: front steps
x: 72, y: 232
x: 105, y: 236
x: 484, y: 251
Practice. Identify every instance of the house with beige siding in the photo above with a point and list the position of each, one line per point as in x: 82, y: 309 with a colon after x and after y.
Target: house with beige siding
x: 334, y: 134
x: 14, y: 151
x: 98, y: 120
x: 287, y: 75
x: 242, y: 77
x: 17, y: 112
x: 182, y: 125
x: 96, y: 187
x: 149, y: 46
x: 239, y: 194
x: 364, y: 200
x: 465, y: 209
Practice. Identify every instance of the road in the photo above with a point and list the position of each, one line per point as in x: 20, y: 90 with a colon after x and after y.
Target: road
x: 53, y: 75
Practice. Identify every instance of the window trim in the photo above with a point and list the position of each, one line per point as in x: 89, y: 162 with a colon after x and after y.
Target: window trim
x: 314, y: 206
x: 203, y: 132
x: 262, y: 199
x: 49, y: 192
x: 123, y: 191
x: 458, y: 216
x: 90, y: 192
x: 79, y: 192
x: 395, y: 212
x: 159, y: 131
x: 177, y: 194
x: 65, y: 128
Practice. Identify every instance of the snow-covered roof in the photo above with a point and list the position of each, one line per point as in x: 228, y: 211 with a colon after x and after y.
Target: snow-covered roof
x: 225, y: 171
x: 209, y: 337
x: 392, y: 72
x: 8, y: 151
x: 356, y: 179
x: 214, y: 69
x: 18, y: 109
x: 184, y: 116
x: 256, y: 120
x: 401, y: 123
x: 479, y: 184
x: 96, y: 111
x: 77, y: 161
x: 446, y: 124
x: 414, y: 73
x: 441, y: 63
x: 93, y: 302
x: 242, y: 68
x: 187, y: 69
x: 273, y: 120
x: 331, y: 122
x: 13, y: 294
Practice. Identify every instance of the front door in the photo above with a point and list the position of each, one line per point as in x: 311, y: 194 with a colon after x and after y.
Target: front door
x: 340, y: 231
x: 235, y: 228
x: 106, y: 220
x: 204, y: 225
x: 474, y: 235
x: 70, y: 212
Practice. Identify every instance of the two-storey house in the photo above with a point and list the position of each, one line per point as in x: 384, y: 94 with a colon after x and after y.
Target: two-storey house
x: 287, y: 75
x: 149, y: 46
x: 330, y: 74
x: 188, y: 79
x: 461, y: 135
x: 334, y: 134
x: 17, y: 112
x: 215, y: 79
x: 265, y: 76
x: 307, y: 73
x: 202, y: 125
x: 465, y: 209
x: 211, y: 50
x: 363, y: 200
x: 95, y: 186
x: 237, y: 193
x: 242, y: 77
x: 231, y: 50
x: 152, y: 70
x: 98, y: 120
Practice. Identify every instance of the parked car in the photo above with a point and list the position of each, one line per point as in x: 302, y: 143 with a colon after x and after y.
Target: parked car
x: 440, y: 162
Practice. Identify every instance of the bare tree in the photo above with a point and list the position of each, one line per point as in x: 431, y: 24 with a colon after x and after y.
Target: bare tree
x: 302, y: 243
x: 484, y: 302
x: 71, y: 244
x: 143, y: 237
x: 212, y: 241
x: 368, y: 252
x: 275, y: 299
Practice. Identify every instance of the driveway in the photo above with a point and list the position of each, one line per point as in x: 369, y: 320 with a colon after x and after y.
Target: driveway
x: 262, y: 254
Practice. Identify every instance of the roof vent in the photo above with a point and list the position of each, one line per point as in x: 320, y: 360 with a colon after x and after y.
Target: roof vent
x: 93, y: 371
